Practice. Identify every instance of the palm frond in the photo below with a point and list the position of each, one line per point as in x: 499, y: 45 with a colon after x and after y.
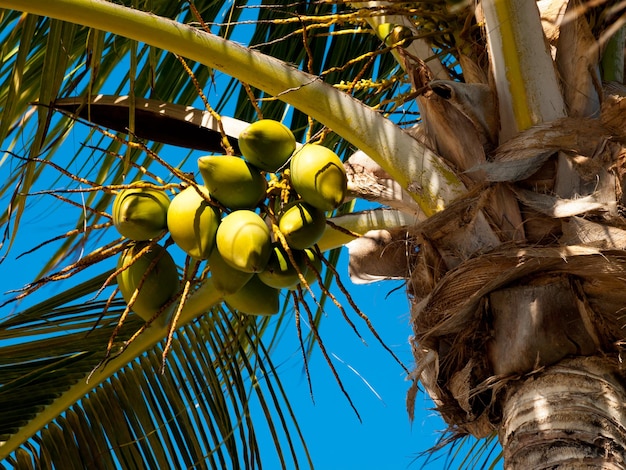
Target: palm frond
x: 217, y: 370
x: 42, y: 61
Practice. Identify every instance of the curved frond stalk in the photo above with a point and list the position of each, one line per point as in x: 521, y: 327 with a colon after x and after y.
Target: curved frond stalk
x: 525, y: 78
x: 416, y: 168
x: 194, y: 412
x: 342, y: 230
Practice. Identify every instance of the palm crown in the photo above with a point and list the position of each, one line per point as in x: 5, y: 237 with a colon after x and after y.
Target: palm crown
x: 505, y: 190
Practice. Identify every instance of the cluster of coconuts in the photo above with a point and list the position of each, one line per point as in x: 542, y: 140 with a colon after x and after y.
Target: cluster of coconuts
x: 238, y: 221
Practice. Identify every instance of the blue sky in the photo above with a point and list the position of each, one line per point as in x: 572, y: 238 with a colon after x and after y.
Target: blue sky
x: 375, y: 382
x: 385, y: 439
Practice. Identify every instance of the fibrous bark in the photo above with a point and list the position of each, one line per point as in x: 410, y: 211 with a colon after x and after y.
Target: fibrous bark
x: 570, y: 415
x: 539, y: 324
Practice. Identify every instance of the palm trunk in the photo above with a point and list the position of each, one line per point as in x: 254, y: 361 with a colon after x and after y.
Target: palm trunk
x: 522, y: 336
x: 570, y: 415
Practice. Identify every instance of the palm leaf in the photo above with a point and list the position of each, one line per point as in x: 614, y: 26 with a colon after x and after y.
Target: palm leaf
x: 208, y: 387
x: 89, y: 70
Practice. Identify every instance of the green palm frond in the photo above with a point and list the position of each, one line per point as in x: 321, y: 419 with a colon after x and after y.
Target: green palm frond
x: 161, y: 76
x: 217, y: 370
x: 42, y: 61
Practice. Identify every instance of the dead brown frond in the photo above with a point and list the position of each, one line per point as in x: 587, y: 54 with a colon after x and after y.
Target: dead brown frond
x: 58, y: 168
x: 342, y: 229
x: 55, y: 193
x: 106, y: 308
x: 141, y: 169
x: 253, y: 100
x: 334, y: 299
x: 358, y: 311
x: 198, y: 17
x: 83, y: 263
x: 129, y: 304
x: 84, y: 230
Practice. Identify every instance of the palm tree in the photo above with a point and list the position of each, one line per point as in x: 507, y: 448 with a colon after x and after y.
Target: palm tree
x: 504, y: 218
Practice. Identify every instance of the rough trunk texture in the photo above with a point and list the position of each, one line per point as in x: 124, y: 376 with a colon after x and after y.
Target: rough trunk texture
x: 538, y: 325
x: 568, y: 416
x: 528, y: 270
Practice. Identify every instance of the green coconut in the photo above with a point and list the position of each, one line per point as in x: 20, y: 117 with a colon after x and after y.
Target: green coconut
x: 232, y: 181
x: 302, y: 224
x: 255, y: 298
x: 244, y: 242
x: 140, y: 213
x: 267, y: 144
x: 157, y: 286
x: 193, y: 222
x: 318, y: 175
x: 280, y: 272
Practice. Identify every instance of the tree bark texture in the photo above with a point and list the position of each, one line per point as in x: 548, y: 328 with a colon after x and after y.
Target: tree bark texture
x: 538, y: 325
x: 567, y: 416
